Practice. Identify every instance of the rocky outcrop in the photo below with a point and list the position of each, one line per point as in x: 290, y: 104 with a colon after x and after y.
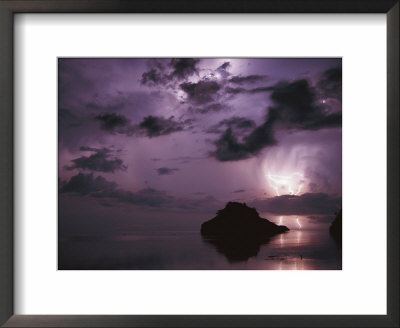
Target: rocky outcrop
x: 238, y: 231
x: 237, y: 219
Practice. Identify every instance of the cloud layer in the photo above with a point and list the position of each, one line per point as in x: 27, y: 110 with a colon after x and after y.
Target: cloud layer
x: 305, y: 204
x: 100, y: 188
x: 101, y: 161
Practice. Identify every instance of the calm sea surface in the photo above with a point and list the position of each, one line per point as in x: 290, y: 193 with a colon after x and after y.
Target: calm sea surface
x: 187, y: 250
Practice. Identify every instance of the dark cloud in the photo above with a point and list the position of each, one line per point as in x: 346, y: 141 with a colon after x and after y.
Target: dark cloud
x: 201, y: 92
x: 229, y: 148
x: 238, y: 90
x: 223, y: 69
x: 155, y: 75
x: 183, y: 67
x: 152, y: 77
x: 333, y: 120
x: 294, y: 106
x: 166, y: 170
x: 305, y: 204
x: 330, y: 83
x: 248, y: 79
x: 105, y: 191
x: 85, y: 184
x: 111, y: 121
x: 178, y: 69
x: 101, y: 161
x: 235, y: 91
x: 224, y: 66
x: 155, y: 126
x: 151, y: 126
x: 99, y: 187
x: 240, y: 124
x: 238, y: 191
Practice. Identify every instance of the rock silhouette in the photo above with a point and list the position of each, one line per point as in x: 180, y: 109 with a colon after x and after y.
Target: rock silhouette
x: 238, y: 231
x: 335, y: 229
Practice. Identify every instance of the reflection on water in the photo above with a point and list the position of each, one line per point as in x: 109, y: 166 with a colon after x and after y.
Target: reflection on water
x: 176, y: 250
x: 236, y: 248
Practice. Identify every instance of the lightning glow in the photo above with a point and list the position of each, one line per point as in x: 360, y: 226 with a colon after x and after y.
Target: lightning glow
x: 298, y: 222
x: 294, y: 182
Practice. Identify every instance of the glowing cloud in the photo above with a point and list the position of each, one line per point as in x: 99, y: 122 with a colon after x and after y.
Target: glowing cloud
x: 290, y: 184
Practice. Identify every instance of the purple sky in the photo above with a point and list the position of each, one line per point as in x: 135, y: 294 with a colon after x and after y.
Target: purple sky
x: 167, y: 142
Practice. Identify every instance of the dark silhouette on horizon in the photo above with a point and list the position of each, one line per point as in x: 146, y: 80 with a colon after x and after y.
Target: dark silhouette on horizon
x: 335, y: 229
x: 238, y: 231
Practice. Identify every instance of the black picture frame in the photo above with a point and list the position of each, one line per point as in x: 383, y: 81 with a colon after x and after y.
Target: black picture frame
x: 10, y: 7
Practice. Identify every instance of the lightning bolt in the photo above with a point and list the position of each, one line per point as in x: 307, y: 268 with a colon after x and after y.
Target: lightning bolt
x: 274, y: 183
x: 298, y: 222
x: 278, y: 180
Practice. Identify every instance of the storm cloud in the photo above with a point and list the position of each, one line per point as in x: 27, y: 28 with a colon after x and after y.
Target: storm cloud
x: 104, y: 190
x: 99, y: 187
x: 249, y: 79
x: 223, y: 69
x: 111, y: 121
x: 85, y: 184
x: 201, y: 92
x: 235, y: 122
x: 330, y: 83
x: 294, y: 106
x: 184, y: 67
x: 152, y: 77
x: 150, y: 126
x: 101, y: 161
x: 229, y: 148
x: 305, y: 204
x: 177, y: 69
x: 155, y: 126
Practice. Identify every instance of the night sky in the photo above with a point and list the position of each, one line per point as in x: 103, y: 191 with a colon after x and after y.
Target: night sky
x: 158, y: 144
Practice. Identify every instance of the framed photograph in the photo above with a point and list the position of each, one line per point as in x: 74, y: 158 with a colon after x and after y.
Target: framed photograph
x: 174, y: 145
x: 187, y: 165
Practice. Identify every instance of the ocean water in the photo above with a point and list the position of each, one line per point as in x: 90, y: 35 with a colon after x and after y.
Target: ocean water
x: 188, y: 250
